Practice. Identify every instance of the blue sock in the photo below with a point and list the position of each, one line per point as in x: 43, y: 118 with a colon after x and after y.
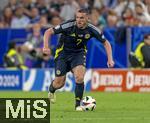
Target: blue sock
x: 78, y: 93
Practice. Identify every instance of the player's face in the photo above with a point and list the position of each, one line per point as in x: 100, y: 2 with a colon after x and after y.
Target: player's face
x: 81, y: 19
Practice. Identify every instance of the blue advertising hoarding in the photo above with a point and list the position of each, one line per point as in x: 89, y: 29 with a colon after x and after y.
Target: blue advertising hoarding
x: 11, y: 80
x: 40, y: 79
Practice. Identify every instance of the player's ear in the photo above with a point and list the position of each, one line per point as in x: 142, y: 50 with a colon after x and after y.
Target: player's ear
x: 88, y: 18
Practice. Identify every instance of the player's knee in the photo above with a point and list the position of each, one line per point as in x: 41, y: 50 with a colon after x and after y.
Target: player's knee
x: 59, y: 82
x: 79, y: 78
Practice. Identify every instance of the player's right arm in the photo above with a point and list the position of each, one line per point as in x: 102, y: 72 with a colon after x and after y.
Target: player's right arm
x: 47, y: 35
x: 56, y: 30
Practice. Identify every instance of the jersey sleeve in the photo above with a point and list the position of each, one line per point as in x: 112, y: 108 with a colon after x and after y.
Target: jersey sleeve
x: 58, y: 29
x: 98, y: 34
x: 62, y: 28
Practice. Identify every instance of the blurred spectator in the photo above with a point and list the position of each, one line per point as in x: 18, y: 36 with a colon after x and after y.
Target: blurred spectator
x: 123, y: 5
x: 33, y: 46
x: 34, y: 39
x: 56, y: 21
x: 42, y: 7
x: 13, y: 59
x: 7, y: 17
x: 112, y: 19
x: 147, y: 4
x: 12, y: 4
x: 128, y: 18
x: 83, y: 4
x: 120, y: 7
x: 55, y: 5
x: 28, y: 5
x: 44, y: 22
x: 141, y: 14
x: 2, y: 25
x: 68, y: 10
x: 35, y: 17
x: 126, y: 11
x: 141, y: 56
x: 55, y: 8
x: 97, y: 4
x: 19, y: 20
x: 97, y: 19
x: 109, y: 3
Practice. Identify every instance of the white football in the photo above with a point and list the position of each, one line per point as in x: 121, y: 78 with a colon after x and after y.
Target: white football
x: 88, y: 103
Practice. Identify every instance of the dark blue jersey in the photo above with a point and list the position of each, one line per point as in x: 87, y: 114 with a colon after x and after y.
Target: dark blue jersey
x: 74, y: 39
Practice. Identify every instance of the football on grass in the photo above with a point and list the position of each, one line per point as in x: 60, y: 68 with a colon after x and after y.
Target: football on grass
x: 88, y: 103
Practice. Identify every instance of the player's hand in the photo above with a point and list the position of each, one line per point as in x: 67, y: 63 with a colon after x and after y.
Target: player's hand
x: 46, y: 51
x: 110, y: 63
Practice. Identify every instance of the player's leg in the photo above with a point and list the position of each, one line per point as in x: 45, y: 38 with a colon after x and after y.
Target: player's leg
x: 78, y: 69
x: 57, y: 83
x: 79, y: 72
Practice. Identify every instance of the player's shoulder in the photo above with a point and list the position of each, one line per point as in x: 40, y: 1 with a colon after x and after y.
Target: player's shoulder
x: 94, y: 28
x: 68, y: 23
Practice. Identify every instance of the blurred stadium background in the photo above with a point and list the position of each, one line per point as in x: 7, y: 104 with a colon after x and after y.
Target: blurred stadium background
x: 26, y: 72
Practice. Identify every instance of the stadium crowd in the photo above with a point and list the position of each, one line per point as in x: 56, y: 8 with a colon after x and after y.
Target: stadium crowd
x: 103, y: 13
x: 38, y: 14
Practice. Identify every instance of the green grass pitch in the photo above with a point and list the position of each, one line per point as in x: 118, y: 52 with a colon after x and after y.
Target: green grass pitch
x: 111, y: 107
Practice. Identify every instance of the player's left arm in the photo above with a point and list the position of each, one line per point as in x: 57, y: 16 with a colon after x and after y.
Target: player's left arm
x: 100, y: 36
x: 110, y: 62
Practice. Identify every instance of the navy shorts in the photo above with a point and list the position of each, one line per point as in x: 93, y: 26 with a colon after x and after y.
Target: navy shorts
x: 66, y: 62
